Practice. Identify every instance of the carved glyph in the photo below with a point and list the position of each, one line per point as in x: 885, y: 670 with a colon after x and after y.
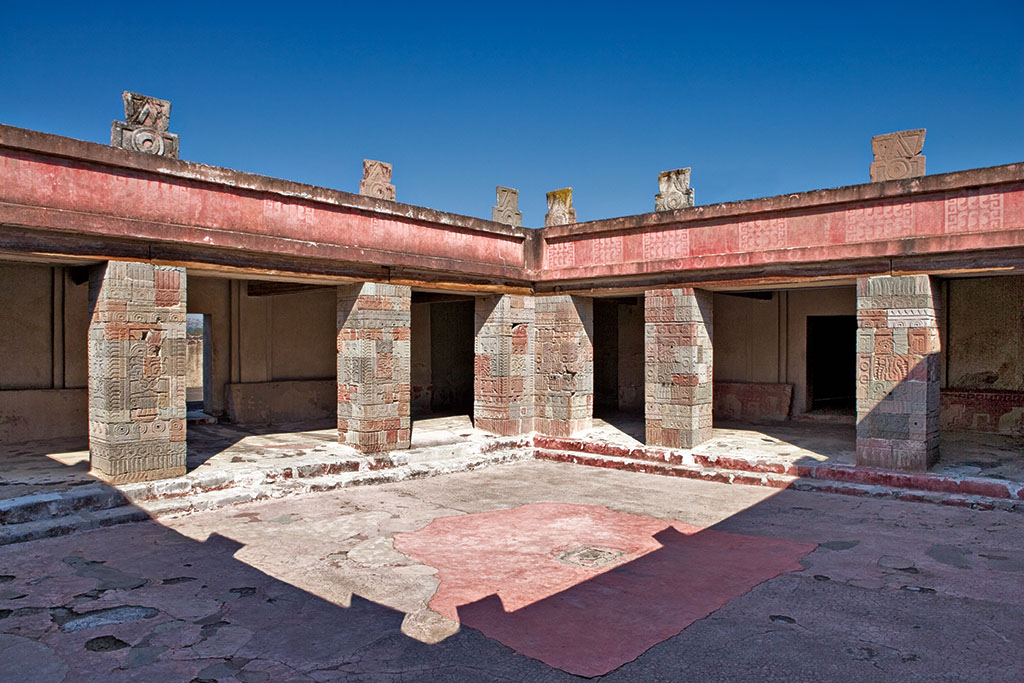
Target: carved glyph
x: 560, y: 209
x: 144, y: 128
x: 676, y: 192
x: 376, y: 180
x: 507, y: 211
x: 898, y: 155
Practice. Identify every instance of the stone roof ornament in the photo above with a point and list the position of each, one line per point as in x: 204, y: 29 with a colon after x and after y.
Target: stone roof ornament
x: 675, y: 190
x: 144, y: 128
x: 376, y: 180
x: 898, y: 155
x: 560, y: 209
x: 507, y: 211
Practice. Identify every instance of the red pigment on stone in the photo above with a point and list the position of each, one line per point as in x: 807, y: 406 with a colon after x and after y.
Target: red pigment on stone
x: 500, y: 573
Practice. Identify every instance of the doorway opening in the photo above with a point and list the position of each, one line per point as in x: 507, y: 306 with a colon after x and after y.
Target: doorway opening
x: 442, y: 354
x: 619, y: 362
x: 199, y: 348
x: 832, y: 363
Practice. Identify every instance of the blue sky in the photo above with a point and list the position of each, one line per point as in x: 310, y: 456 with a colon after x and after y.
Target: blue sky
x: 760, y: 99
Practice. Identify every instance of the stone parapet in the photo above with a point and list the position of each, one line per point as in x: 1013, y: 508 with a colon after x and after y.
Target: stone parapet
x: 897, y: 372
x: 678, y: 366
x: 137, y: 371
x: 374, y: 366
x: 503, y: 376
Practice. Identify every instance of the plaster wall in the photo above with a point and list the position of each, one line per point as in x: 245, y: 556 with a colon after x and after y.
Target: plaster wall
x: 985, y: 331
x: 747, y: 333
x: 281, y: 338
x: 212, y: 297
x: 43, y: 359
x: 631, y: 357
x: 420, y: 372
x: 451, y: 356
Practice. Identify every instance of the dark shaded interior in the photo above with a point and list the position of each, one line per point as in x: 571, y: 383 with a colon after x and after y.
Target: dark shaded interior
x: 832, y: 362
x: 618, y: 356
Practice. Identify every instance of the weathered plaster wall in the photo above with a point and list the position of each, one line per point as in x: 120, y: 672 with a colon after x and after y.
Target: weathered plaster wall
x: 43, y: 358
x: 747, y: 338
x: 282, y: 338
x: 421, y: 379
x: 451, y: 356
x: 985, y: 334
x: 631, y: 357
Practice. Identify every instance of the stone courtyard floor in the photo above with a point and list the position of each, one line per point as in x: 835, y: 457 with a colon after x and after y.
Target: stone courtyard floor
x: 526, y: 572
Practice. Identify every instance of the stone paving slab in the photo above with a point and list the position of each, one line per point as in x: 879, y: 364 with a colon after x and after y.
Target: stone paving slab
x: 311, y: 588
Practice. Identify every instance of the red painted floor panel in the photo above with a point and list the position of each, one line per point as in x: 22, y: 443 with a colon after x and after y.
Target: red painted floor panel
x: 516, y: 575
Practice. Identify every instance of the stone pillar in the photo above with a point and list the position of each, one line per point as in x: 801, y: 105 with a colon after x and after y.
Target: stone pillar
x: 137, y: 371
x: 564, y: 362
x: 374, y: 366
x: 504, y: 364
x: 678, y: 337
x: 897, y: 372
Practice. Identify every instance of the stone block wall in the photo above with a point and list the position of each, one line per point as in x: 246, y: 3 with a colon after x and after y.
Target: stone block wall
x: 503, y: 384
x: 678, y: 367
x: 897, y: 372
x: 374, y: 366
x: 137, y: 371
x: 564, y: 363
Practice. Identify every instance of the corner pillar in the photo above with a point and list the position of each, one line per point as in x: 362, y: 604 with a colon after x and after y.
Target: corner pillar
x: 374, y: 366
x: 897, y: 372
x: 503, y: 368
x: 137, y: 368
x: 678, y: 337
x: 564, y: 363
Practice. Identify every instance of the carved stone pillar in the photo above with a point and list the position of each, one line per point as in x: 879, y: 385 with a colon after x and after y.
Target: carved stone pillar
x: 374, y: 366
x: 564, y: 362
x: 678, y: 336
x: 897, y: 372
x: 503, y: 376
x: 137, y: 368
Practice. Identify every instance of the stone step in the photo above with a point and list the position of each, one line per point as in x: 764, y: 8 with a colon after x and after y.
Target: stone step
x: 39, y: 506
x: 686, y: 471
x: 68, y: 523
x: 922, y: 487
x: 922, y: 481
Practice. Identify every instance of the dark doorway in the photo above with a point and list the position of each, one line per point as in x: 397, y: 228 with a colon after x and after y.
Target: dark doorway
x: 442, y: 354
x: 832, y: 362
x: 618, y: 356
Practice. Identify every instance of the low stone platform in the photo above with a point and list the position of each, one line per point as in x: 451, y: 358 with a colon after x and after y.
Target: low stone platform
x: 46, y: 491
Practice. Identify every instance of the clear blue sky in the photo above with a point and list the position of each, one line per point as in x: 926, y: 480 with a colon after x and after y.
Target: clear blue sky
x: 759, y: 99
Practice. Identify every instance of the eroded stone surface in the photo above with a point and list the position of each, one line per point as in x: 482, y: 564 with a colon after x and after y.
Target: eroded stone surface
x: 273, y: 602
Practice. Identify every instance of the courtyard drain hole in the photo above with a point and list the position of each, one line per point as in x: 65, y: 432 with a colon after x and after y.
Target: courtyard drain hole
x: 588, y: 556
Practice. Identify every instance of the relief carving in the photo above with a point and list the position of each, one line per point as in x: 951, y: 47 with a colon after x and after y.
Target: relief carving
x: 144, y: 128
x: 376, y: 180
x: 675, y: 190
x: 507, y: 211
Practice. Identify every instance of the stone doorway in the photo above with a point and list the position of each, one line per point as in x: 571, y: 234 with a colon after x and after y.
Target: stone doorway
x: 619, y: 363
